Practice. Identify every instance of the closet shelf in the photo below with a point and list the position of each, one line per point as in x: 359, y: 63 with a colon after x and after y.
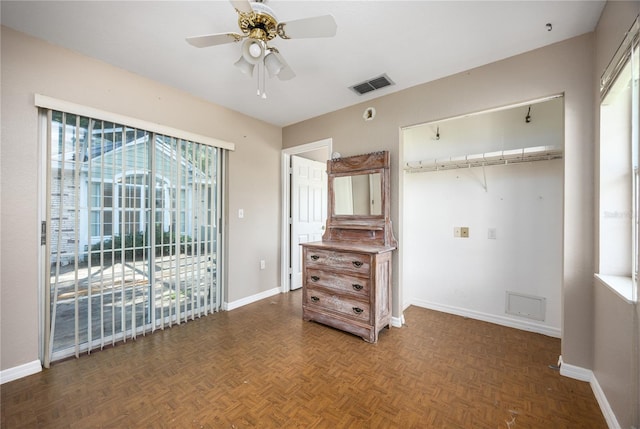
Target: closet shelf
x: 514, y: 156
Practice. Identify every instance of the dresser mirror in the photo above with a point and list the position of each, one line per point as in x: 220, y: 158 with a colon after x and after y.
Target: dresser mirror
x: 358, y: 200
x: 358, y: 195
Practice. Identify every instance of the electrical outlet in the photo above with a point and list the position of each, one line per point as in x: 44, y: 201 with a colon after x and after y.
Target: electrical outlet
x: 456, y: 232
x: 464, y: 231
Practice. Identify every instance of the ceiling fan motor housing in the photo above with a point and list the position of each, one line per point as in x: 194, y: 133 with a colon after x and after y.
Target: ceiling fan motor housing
x: 261, y: 24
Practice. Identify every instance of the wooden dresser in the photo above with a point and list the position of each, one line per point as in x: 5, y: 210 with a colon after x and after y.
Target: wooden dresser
x: 347, y: 276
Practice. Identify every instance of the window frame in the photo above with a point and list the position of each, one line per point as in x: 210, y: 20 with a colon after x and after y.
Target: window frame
x: 624, y: 218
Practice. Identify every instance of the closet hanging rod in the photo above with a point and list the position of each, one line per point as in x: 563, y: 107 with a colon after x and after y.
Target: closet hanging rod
x: 514, y: 156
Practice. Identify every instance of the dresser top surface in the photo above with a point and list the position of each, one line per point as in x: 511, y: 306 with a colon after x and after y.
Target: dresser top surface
x: 344, y: 246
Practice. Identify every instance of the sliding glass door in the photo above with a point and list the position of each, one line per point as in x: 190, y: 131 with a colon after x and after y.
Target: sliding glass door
x: 132, y: 233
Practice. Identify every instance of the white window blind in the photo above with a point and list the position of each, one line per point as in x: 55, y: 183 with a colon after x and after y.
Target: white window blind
x: 132, y: 237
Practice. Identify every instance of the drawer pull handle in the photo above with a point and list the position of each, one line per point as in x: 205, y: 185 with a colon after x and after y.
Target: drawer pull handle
x: 315, y: 299
x: 315, y: 257
x: 357, y: 286
x: 315, y: 278
x: 357, y: 264
x: 357, y: 310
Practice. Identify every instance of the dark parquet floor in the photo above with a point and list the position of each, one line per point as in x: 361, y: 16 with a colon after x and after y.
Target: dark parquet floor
x: 262, y: 366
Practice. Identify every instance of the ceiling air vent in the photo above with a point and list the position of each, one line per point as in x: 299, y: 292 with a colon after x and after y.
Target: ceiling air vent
x: 372, y: 84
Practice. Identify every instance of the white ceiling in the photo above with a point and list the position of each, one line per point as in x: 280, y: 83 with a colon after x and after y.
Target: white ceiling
x: 411, y: 41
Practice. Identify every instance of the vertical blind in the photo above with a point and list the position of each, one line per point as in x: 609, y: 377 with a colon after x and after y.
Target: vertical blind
x: 132, y: 238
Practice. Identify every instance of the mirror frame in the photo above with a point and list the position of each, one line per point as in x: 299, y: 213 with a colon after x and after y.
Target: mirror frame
x: 364, y: 229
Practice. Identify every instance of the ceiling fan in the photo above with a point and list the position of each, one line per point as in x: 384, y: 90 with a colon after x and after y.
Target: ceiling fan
x: 259, y: 25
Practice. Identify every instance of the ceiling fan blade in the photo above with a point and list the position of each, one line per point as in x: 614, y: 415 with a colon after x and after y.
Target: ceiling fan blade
x: 286, y: 73
x: 213, y: 39
x: 241, y: 6
x: 317, y: 26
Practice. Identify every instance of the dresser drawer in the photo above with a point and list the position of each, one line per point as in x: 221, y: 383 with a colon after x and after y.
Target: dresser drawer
x: 354, y: 262
x: 348, y: 306
x: 357, y: 286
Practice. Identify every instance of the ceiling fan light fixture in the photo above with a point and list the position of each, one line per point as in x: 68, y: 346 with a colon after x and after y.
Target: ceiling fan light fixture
x: 273, y: 64
x: 245, y: 66
x: 253, y: 50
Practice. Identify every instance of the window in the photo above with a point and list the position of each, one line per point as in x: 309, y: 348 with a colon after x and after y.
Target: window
x: 101, y: 210
x: 133, y: 239
x: 619, y: 160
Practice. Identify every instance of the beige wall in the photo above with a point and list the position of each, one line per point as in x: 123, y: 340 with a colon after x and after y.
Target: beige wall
x: 616, y: 359
x: 32, y: 66
x: 564, y: 67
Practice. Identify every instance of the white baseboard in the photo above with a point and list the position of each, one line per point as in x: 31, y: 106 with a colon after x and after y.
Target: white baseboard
x: 397, y: 322
x: 510, y: 322
x: 583, y: 374
x: 20, y: 371
x: 575, y: 372
x: 607, y: 412
x: 228, y: 306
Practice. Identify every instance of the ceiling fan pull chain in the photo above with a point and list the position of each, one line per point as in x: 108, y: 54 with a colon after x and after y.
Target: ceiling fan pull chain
x: 258, y: 82
x: 261, y: 92
x: 264, y: 80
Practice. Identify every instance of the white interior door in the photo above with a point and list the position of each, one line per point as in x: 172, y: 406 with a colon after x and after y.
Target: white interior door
x: 308, y: 209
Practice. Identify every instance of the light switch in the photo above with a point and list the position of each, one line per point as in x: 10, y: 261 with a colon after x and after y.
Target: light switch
x: 240, y: 213
x: 464, y: 231
x: 492, y: 235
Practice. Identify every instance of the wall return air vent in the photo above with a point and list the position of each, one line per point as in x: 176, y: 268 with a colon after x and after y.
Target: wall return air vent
x: 371, y: 84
